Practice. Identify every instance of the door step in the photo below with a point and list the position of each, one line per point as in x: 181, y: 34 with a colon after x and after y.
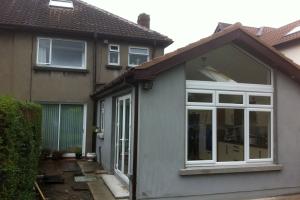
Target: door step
x: 118, y: 189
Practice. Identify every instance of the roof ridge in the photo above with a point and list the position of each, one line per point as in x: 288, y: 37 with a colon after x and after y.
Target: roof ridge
x: 121, y: 18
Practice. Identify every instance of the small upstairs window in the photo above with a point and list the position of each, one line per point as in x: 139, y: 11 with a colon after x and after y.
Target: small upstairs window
x: 61, y: 3
x: 113, y: 54
x: 137, y: 56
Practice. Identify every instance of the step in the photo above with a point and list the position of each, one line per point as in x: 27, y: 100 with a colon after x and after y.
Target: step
x: 118, y: 189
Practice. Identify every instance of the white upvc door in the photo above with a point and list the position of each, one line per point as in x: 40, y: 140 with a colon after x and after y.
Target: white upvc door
x: 123, y: 135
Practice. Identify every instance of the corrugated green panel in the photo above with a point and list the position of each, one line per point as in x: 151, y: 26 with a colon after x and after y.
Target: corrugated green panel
x: 71, y: 126
x: 50, y: 126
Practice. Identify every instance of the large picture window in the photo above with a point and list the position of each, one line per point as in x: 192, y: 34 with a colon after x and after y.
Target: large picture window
x: 61, y: 53
x: 228, y: 127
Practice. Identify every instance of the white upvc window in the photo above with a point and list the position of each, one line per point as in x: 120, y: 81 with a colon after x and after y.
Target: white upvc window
x: 114, y: 54
x: 61, y: 53
x: 137, y: 56
x: 100, y: 116
x: 230, y: 126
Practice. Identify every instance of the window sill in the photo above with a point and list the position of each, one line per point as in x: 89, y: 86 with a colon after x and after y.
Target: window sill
x: 229, y: 169
x: 59, y: 69
x: 114, y: 67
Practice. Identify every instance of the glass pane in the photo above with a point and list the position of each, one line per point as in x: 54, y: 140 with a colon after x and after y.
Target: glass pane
x: 113, y: 57
x: 135, y: 59
x: 127, y: 135
x: 199, y: 134
x: 200, y: 97
x: 114, y: 48
x: 50, y: 117
x: 68, y: 53
x: 230, y: 135
x: 230, y: 98
x: 71, y: 126
x: 228, y: 64
x: 260, y: 134
x: 44, y: 51
x: 262, y: 100
x: 120, y: 147
x: 138, y: 51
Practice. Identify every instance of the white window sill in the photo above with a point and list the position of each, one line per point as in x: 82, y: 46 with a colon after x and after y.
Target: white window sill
x: 206, y: 170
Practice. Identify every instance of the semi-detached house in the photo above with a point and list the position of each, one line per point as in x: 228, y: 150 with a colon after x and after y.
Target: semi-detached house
x: 57, y: 53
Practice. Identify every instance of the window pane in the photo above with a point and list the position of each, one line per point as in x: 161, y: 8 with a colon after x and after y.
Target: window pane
x: 68, y: 53
x: 138, y: 51
x: 135, y: 59
x: 230, y: 135
x: 200, y: 97
x: 113, y: 57
x: 114, y: 48
x: 262, y: 100
x: 229, y: 98
x: 199, y: 135
x: 44, y: 51
x: 71, y: 126
x: 50, y: 126
x: 260, y: 134
x: 228, y: 64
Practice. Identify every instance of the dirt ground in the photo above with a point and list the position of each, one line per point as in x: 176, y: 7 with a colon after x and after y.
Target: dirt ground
x: 66, y: 169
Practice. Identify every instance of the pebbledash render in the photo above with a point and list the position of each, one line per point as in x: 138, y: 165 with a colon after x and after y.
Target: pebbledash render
x: 217, y: 119
x: 57, y: 53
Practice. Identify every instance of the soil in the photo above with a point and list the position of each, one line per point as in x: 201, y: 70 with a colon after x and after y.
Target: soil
x: 68, y: 190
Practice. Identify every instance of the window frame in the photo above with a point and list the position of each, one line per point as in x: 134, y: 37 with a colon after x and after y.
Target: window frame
x: 215, y: 106
x: 137, y: 47
x: 118, y: 51
x: 101, y: 116
x: 84, y: 61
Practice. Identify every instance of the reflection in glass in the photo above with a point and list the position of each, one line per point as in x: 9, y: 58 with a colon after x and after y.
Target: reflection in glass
x: 230, y: 98
x: 261, y: 100
x: 260, y: 134
x: 200, y: 97
x: 230, y: 134
x: 200, y: 135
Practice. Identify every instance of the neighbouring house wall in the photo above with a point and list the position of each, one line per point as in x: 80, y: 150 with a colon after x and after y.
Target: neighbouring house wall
x: 292, y: 51
x: 161, y: 150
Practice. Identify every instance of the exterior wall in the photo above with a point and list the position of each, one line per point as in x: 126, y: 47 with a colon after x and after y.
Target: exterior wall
x: 292, y: 51
x: 161, y: 150
x: 15, y: 64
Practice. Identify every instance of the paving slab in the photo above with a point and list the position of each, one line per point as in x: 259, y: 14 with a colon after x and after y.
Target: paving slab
x: 285, y: 197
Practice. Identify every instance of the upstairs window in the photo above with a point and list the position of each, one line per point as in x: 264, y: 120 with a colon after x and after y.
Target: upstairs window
x: 61, y: 53
x: 61, y: 3
x: 114, y: 54
x: 137, y: 56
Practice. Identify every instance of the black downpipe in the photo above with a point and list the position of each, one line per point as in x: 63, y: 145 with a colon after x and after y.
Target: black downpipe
x: 135, y: 142
x: 94, y: 89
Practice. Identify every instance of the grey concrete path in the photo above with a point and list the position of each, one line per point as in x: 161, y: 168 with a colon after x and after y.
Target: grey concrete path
x: 286, y: 197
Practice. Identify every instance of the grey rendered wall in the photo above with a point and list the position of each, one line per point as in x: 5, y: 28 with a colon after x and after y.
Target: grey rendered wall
x: 161, y: 147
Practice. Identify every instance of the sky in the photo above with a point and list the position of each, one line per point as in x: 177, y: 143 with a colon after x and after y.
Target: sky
x: 186, y: 21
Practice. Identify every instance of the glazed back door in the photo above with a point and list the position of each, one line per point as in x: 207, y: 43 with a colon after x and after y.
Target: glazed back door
x: 123, y: 130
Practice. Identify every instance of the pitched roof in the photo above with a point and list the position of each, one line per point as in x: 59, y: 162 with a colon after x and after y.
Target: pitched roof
x: 234, y: 33
x: 272, y: 36
x: 83, y: 18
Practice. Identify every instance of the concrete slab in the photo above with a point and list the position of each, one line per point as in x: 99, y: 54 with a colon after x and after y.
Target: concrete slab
x: 85, y: 178
x: 285, y: 197
x: 100, y: 191
x: 115, y: 186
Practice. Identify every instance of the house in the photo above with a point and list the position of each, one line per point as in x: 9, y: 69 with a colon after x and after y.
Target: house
x: 217, y: 119
x: 58, y: 52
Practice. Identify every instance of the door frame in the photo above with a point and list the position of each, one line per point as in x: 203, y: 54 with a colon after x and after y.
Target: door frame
x: 119, y: 173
